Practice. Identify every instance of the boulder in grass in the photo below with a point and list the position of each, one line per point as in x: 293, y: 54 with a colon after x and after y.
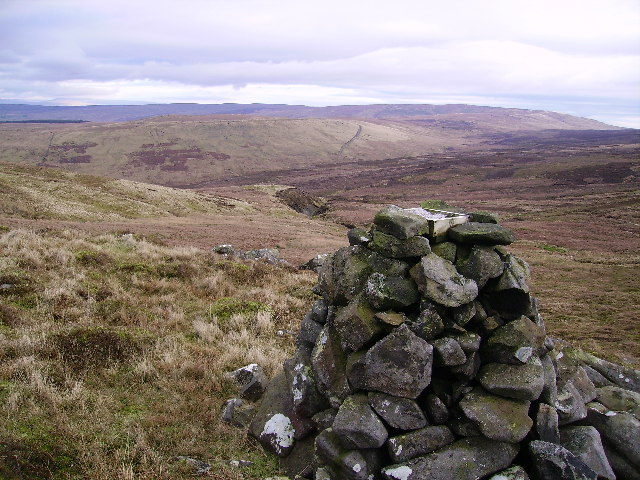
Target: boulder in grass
x: 438, y: 280
x: 466, y: 459
x: 251, y: 381
x: 481, y: 233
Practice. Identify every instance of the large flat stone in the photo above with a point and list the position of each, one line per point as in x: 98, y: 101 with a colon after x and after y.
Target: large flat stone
x: 357, y: 425
x: 438, y: 280
x: 522, y: 382
x: 481, y: 233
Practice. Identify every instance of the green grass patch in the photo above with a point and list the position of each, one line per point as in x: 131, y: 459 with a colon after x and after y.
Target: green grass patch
x: 226, y: 307
x: 438, y: 205
x: 552, y: 248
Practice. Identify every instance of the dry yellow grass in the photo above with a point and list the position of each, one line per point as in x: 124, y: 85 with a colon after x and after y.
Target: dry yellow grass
x: 114, y: 352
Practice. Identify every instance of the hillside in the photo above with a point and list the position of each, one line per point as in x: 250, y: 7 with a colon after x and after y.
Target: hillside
x: 119, y: 113
x: 196, y: 150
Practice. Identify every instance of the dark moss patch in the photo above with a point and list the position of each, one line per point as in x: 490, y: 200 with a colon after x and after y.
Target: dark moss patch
x: 95, y: 347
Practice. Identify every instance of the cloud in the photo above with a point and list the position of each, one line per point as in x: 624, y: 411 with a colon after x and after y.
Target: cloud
x: 337, y: 50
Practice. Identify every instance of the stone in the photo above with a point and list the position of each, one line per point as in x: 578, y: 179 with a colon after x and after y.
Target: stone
x: 358, y: 236
x: 329, y: 366
x: 580, y: 380
x: 324, y: 419
x: 357, y: 425
x: 448, y: 352
x: 300, y: 461
x: 315, y: 263
x: 550, y: 390
x: 344, y: 274
x: 509, y: 293
x: 400, y: 364
x: 429, y: 323
x: 392, y: 247
x: 624, y: 377
x: 462, y: 314
x: 522, y: 382
x: 481, y: 233
x: 419, y: 442
x: 356, y: 370
x: 597, y: 378
x: 384, y: 292
x: 356, y: 325
x: 446, y: 250
x: 306, y: 399
x: 513, y: 473
x: 620, y: 431
x: 483, y: 217
x: 621, y: 466
x: 585, y: 443
x: 251, y: 381
x: 397, y: 412
x: 468, y: 341
x: 468, y: 369
x: 466, y: 459
x: 619, y: 400
x: 342, y: 464
x: 309, y: 330
x: 570, y: 405
x: 514, y: 343
x: 436, y: 409
x: 400, y: 222
x: 498, y: 418
x: 390, y: 318
x: 551, y: 461
x: 237, y: 412
x: 319, y: 311
x: 482, y: 264
x: 547, y: 423
x: 438, y: 280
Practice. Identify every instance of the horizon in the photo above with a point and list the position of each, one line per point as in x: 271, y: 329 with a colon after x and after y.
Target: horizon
x: 579, y: 57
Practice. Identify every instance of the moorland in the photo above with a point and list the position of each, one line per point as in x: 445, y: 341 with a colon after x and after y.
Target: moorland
x: 118, y: 323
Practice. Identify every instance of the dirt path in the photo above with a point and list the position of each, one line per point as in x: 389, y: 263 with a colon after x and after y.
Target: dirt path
x: 350, y: 141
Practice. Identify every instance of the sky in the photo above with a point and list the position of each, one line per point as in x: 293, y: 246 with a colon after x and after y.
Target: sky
x: 580, y: 57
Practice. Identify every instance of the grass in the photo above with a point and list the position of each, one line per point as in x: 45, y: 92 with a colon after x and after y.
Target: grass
x: 114, y: 349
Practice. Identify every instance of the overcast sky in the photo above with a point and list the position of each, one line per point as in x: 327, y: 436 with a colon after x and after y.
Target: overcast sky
x: 573, y: 56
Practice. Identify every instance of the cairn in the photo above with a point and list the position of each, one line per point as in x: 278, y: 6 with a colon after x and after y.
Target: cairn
x: 427, y: 358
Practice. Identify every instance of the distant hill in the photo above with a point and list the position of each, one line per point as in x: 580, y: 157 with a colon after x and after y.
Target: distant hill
x: 538, y: 119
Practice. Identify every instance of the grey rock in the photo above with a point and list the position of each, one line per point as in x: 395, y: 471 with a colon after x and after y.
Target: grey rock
x: 522, y: 382
x: 438, y: 280
x: 448, y: 352
x: 436, y: 409
x: 419, y: 442
x: 514, y: 343
x: 570, y: 405
x: 619, y: 375
x: 358, y: 236
x: 315, y: 263
x: 400, y: 222
x: 356, y: 325
x: 466, y: 459
x: 392, y: 247
x: 462, y: 314
x: 309, y: 330
x: 621, y: 466
x: 357, y: 425
x: 468, y: 369
x: 397, y: 412
x: 481, y: 233
x: 225, y: 249
x: 384, y: 292
x: 509, y: 293
x: 483, y: 217
x: 300, y: 462
x: 342, y: 464
x: 513, y: 473
x: 251, y: 381
x: 392, y: 319
x: 319, y: 311
x: 324, y: 419
x: 497, y: 418
x: 585, y: 443
x: 469, y: 341
x: 306, y: 399
x: 429, y: 323
x: 329, y: 365
x: 399, y: 364
x: 597, y: 378
x: 550, y: 390
x: 547, y: 423
x: 619, y: 400
x: 551, y: 461
x: 344, y: 274
x: 482, y: 264
x: 356, y: 370
x: 619, y: 431
x: 237, y: 412
x: 446, y: 250
x: 580, y: 380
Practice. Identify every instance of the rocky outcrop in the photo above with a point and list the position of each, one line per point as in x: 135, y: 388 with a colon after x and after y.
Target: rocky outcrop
x: 426, y: 357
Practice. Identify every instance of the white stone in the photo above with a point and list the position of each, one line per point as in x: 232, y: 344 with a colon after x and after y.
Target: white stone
x: 280, y: 426
x: 400, y: 473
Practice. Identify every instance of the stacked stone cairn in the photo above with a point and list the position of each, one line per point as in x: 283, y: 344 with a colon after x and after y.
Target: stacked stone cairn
x: 427, y: 358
